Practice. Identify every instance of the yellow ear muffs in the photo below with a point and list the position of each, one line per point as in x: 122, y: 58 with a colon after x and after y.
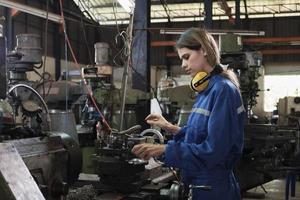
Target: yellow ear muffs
x: 200, y: 81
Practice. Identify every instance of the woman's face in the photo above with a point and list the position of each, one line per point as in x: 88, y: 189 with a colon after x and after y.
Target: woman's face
x: 193, y: 61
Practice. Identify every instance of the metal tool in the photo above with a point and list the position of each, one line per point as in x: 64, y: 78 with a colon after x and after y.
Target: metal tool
x: 200, y: 187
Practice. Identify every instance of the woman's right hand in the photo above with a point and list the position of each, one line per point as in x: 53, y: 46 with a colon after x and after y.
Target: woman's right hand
x: 160, y: 121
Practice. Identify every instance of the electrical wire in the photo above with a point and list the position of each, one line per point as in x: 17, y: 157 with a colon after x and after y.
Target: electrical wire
x: 115, y: 15
x: 66, y: 66
x: 122, y: 51
x: 82, y: 75
x: 46, y: 44
x: 85, y: 38
x: 126, y: 67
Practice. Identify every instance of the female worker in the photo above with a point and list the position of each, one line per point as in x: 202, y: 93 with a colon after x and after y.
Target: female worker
x: 206, y: 149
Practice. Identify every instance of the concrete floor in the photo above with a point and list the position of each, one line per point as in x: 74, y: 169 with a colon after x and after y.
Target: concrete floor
x: 275, y: 191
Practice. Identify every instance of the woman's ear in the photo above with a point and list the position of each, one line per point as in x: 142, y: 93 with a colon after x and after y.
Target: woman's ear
x: 204, y: 52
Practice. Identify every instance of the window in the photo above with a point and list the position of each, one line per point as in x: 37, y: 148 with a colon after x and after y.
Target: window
x: 280, y: 86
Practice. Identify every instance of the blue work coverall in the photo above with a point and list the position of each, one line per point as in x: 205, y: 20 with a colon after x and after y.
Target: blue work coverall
x: 206, y: 149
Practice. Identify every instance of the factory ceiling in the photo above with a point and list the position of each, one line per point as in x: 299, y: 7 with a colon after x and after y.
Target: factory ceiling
x: 108, y: 12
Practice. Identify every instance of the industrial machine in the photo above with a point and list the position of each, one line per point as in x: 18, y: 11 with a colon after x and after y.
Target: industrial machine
x: 246, y: 65
x: 119, y: 170
x: 53, y: 158
x: 44, y: 134
x: 288, y: 111
x: 269, y: 150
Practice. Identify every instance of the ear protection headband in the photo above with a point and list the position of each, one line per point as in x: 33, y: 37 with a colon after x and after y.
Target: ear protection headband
x: 200, y: 81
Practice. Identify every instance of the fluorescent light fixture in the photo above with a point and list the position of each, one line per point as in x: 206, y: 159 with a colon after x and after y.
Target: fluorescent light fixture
x: 128, y: 5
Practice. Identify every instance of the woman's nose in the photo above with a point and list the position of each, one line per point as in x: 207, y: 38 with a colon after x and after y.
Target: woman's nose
x: 183, y: 64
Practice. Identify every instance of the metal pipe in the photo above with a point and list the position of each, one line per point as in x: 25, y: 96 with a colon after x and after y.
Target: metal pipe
x: 208, y: 5
x: 162, y: 43
x: 125, y: 73
x: 8, y: 28
x: 30, y: 10
x: 280, y: 51
x: 264, y: 52
x: 271, y: 39
x: 295, y: 39
x: 214, y: 32
x: 155, y: 132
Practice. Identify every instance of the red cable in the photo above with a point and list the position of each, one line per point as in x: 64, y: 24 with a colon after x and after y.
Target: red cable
x: 90, y: 93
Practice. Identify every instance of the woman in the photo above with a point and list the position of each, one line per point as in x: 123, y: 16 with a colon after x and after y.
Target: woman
x: 206, y: 149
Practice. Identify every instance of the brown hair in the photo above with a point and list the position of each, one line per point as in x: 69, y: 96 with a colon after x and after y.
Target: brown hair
x: 196, y: 38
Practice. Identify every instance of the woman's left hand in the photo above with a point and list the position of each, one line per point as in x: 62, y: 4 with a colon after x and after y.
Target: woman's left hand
x: 146, y: 151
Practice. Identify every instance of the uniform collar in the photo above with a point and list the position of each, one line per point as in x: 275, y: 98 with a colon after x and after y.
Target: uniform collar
x: 211, y: 83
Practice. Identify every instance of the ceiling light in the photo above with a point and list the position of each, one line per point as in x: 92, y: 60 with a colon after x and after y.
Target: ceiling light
x: 128, y: 5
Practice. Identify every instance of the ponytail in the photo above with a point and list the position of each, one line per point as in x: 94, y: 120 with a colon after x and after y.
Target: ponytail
x: 229, y: 74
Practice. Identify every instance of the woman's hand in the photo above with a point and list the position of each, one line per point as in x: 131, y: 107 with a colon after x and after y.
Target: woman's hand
x: 146, y: 150
x: 160, y: 121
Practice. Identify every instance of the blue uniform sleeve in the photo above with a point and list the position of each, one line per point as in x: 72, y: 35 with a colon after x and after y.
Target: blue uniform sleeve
x: 223, y: 131
x: 180, y: 135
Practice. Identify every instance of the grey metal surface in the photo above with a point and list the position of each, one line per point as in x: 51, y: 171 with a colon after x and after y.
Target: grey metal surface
x: 16, y: 182
x: 29, y: 45
x: 64, y: 121
x: 101, y: 53
x: 54, y: 162
x: 3, y: 75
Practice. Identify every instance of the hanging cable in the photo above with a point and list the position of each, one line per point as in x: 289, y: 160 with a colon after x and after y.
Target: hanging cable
x: 66, y: 68
x: 90, y: 93
x: 45, y: 46
x: 83, y: 31
x: 115, y: 15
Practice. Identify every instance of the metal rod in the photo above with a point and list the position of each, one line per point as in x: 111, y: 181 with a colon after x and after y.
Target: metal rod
x: 264, y: 52
x: 245, y: 41
x: 125, y: 73
x: 30, y: 10
x: 214, y: 32
x: 271, y: 39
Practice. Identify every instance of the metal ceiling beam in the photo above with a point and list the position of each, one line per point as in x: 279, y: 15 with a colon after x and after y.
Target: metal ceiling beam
x: 264, y: 52
x: 271, y: 39
x: 163, y: 43
x: 178, y: 31
x: 141, y: 46
x: 250, y: 41
x: 30, y: 10
x: 280, y: 51
x: 208, y: 5
x: 237, y: 14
